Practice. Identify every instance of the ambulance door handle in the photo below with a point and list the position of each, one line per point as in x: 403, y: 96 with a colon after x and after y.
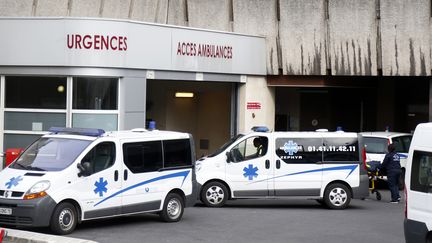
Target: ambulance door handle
x: 277, y: 164
x: 116, y: 175
x: 125, y: 175
x: 267, y: 164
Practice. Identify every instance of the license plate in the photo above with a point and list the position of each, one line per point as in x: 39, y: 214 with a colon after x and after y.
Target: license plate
x: 6, y: 211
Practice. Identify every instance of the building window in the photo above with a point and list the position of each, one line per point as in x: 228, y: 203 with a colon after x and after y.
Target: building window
x: 95, y: 93
x: 35, y: 92
x: 33, y: 121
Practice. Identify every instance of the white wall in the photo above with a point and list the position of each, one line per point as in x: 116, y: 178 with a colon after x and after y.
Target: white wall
x: 256, y: 90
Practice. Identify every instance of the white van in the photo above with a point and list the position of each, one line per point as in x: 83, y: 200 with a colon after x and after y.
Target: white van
x: 72, y: 175
x: 418, y: 210
x: 326, y: 166
x: 376, y: 148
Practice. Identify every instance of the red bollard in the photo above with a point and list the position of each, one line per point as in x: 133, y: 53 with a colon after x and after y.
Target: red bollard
x: 2, y: 235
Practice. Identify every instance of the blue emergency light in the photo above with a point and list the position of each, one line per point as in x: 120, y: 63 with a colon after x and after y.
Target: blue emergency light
x: 93, y: 132
x: 260, y: 129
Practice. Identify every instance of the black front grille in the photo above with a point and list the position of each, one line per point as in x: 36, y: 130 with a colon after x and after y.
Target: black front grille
x: 17, y: 194
x: 15, y: 220
x: 14, y: 193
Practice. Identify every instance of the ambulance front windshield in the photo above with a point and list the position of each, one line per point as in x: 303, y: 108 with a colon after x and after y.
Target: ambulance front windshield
x: 50, y: 154
x: 226, y: 145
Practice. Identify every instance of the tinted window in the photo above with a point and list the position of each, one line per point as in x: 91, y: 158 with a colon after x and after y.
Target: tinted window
x: 250, y: 148
x: 421, y: 172
x: 101, y: 157
x: 299, y: 150
x: 143, y: 156
x: 376, y: 145
x: 341, y: 149
x: 177, y: 153
x: 402, y: 143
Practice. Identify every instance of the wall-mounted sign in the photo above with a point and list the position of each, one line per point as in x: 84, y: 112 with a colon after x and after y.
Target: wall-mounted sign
x: 81, y: 42
x: 253, y: 105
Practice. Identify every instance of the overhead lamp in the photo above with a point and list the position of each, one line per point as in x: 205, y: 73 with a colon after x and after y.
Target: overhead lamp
x: 184, y: 95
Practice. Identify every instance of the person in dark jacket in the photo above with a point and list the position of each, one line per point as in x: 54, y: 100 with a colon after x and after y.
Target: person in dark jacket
x: 391, y: 164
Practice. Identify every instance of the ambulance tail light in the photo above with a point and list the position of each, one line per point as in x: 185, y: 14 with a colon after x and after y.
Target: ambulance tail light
x: 364, y: 158
x: 38, y: 190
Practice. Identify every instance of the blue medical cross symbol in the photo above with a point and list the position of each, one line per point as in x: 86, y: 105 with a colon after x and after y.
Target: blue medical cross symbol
x: 291, y: 148
x: 100, y: 187
x: 250, y: 172
x: 13, y: 182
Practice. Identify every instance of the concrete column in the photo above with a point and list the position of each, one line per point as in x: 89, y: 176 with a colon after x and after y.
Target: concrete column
x: 132, y: 103
x: 255, y: 90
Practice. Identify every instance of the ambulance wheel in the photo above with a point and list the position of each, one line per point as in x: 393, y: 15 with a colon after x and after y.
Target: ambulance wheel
x: 64, y: 219
x: 173, y: 208
x: 337, y: 196
x: 214, y: 194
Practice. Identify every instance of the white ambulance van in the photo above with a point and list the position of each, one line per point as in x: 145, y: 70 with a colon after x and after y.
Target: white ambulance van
x: 326, y: 166
x: 418, y: 189
x: 72, y: 175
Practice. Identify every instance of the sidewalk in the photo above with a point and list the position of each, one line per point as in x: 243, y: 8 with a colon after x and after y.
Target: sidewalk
x: 22, y: 236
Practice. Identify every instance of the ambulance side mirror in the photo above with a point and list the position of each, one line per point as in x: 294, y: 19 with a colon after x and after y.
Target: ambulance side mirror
x: 84, y: 169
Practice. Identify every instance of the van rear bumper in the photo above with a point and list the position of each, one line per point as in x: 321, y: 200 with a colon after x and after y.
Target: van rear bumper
x: 362, y: 191
x: 35, y: 212
x: 415, y: 231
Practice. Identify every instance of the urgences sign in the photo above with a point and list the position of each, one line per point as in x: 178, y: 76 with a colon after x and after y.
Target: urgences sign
x: 97, y: 42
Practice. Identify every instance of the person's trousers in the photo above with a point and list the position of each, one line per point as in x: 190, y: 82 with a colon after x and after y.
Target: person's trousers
x: 393, y: 183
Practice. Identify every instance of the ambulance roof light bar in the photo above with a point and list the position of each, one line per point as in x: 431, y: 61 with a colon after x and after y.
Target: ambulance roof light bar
x: 260, y: 129
x: 93, y: 132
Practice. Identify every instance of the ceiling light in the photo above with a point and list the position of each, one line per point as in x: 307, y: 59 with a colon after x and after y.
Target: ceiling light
x: 184, y: 95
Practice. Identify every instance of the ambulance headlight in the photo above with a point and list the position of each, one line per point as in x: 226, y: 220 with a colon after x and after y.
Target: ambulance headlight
x: 38, y: 190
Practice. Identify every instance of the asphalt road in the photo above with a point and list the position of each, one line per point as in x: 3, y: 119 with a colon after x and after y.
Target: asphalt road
x: 260, y: 221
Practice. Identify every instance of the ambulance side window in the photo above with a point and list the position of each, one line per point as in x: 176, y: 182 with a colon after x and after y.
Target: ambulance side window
x: 101, y: 157
x: 299, y: 150
x: 250, y: 148
x: 341, y: 149
x: 143, y: 156
x: 421, y: 172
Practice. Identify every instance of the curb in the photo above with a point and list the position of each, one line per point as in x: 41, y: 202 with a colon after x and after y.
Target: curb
x: 21, y: 236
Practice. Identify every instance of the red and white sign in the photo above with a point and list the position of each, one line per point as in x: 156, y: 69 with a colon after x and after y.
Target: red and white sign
x: 75, y: 42
x: 253, y: 106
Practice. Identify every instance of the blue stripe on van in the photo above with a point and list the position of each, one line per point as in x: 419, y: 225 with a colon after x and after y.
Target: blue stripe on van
x: 347, y: 167
x: 403, y: 155
x: 173, y: 175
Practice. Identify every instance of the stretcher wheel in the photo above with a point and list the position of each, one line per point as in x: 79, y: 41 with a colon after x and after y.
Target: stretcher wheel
x: 378, y: 195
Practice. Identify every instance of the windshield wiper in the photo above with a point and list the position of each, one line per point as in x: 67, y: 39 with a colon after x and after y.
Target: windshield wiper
x: 34, y: 168
x: 22, y: 166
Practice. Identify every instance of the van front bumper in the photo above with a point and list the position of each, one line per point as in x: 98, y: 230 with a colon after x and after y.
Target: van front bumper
x: 35, y: 213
